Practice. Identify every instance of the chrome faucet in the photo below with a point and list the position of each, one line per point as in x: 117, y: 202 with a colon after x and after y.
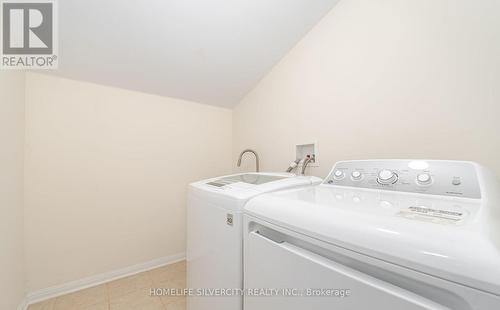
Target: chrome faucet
x: 256, y: 158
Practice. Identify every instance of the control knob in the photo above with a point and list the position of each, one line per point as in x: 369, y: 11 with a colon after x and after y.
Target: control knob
x: 338, y: 175
x: 387, y: 177
x: 424, y: 179
x: 356, y: 175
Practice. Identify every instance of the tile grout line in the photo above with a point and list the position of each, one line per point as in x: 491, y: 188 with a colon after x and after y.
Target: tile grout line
x: 154, y: 283
x: 107, y: 295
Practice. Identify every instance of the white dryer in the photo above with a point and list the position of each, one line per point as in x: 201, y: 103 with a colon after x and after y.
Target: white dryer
x: 384, y: 234
x: 215, y: 234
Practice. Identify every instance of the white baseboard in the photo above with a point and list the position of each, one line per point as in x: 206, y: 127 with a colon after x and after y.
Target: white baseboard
x: 77, y: 285
x: 23, y: 305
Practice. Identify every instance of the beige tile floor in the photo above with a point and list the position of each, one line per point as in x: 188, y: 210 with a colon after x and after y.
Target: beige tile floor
x: 131, y: 293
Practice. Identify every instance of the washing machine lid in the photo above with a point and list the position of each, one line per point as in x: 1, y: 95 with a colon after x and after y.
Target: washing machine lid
x: 447, y: 237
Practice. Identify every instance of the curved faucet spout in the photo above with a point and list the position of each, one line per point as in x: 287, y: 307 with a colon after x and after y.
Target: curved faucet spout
x: 256, y: 158
x: 306, y: 162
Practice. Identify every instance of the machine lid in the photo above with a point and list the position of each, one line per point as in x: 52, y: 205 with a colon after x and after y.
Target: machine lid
x: 447, y: 237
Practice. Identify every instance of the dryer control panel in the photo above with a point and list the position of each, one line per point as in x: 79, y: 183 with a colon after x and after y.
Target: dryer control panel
x: 434, y: 177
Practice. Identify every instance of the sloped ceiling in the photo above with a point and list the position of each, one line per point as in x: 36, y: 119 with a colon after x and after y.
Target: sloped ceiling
x: 208, y: 51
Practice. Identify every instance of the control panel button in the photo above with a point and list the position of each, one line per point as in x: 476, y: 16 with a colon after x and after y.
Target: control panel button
x: 338, y: 175
x: 387, y: 177
x: 424, y: 179
x: 356, y: 175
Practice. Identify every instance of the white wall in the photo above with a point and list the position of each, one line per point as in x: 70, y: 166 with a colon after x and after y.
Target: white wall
x: 383, y: 79
x: 11, y: 188
x: 106, y: 175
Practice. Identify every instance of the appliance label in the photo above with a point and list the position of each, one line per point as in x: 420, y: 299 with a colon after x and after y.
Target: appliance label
x: 432, y: 215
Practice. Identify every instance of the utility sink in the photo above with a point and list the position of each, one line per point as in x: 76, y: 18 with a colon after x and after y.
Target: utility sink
x: 249, y: 178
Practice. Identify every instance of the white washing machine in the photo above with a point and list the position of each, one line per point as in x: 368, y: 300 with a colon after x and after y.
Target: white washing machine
x: 385, y: 234
x: 215, y: 234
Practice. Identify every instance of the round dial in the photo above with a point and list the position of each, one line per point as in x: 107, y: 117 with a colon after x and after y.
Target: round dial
x: 424, y: 179
x: 387, y: 177
x: 338, y: 175
x: 356, y: 175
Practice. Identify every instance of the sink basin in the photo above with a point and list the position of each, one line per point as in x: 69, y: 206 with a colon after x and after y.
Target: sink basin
x: 249, y: 178
x: 253, y: 178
